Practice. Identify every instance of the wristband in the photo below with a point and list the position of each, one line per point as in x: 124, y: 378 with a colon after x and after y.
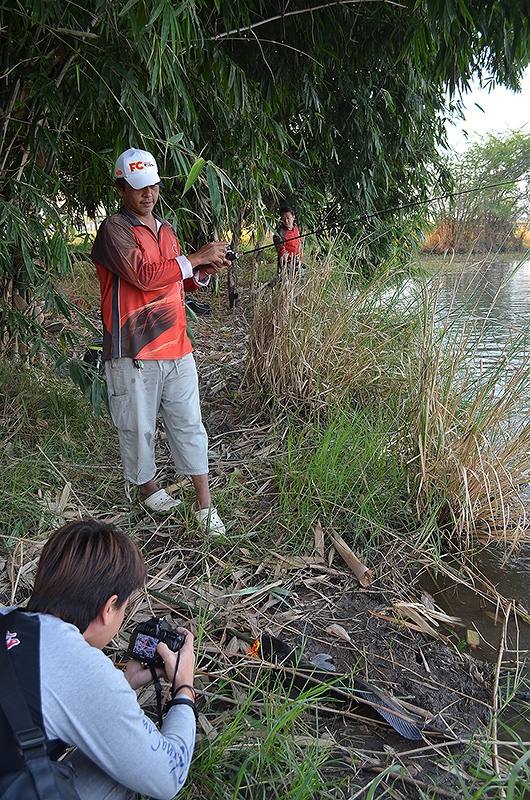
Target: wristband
x: 181, y: 701
x: 174, y: 692
x: 203, y: 284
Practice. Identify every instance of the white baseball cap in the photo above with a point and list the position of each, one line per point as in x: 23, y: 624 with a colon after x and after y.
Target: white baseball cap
x: 138, y: 167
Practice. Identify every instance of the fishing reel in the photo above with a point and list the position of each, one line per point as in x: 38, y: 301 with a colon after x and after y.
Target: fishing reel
x: 231, y: 255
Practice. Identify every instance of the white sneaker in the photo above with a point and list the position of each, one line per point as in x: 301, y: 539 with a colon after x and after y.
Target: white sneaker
x: 161, y: 502
x: 210, y: 521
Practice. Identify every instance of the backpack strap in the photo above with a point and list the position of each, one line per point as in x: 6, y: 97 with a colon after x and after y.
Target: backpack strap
x: 28, y: 736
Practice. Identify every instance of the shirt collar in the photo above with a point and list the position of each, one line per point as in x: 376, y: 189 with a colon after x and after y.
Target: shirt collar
x: 133, y: 219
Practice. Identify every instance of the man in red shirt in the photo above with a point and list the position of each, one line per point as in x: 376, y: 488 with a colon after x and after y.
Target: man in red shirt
x: 288, y: 243
x: 148, y: 357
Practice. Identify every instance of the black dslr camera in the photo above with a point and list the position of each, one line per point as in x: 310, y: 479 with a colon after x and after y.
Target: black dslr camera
x: 145, y: 637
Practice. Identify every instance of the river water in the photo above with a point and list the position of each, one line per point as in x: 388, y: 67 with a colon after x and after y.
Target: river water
x: 491, y: 301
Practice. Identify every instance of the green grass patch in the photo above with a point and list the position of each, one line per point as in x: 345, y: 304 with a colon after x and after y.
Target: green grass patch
x: 269, y: 749
x: 346, y: 471
x: 46, y: 426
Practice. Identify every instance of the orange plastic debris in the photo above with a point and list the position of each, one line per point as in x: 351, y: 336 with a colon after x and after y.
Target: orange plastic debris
x: 254, y: 648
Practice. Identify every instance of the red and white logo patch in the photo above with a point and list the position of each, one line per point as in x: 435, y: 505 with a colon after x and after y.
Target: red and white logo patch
x: 136, y: 165
x: 11, y: 640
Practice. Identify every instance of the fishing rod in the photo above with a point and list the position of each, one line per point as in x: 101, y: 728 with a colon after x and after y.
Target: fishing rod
x: 232, y: 255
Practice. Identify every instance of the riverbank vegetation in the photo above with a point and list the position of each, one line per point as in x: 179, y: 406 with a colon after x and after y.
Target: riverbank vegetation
x: 344, y: 423
x: 489, y: 221
x: 375, y: 365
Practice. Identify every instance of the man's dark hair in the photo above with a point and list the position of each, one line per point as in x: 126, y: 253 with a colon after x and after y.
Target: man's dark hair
x: 81, y: 565
x: 285, y: 209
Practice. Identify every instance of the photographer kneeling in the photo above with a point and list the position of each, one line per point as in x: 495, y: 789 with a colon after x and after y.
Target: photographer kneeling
x: 85, y: 577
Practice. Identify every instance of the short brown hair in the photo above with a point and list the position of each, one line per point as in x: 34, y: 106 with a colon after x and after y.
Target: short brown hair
x: 83, y: 564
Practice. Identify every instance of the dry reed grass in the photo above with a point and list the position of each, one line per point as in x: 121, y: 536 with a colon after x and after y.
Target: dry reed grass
x: 471, y: 438
x: 315, y: 341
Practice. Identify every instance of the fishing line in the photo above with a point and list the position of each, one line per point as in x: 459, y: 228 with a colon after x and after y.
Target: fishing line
x: 232, y: 255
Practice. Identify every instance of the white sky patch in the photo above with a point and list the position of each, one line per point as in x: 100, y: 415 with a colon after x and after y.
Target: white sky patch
x: 503, y: 111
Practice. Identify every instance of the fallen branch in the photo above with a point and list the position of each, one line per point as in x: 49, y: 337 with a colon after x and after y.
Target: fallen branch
x: 363, y: 574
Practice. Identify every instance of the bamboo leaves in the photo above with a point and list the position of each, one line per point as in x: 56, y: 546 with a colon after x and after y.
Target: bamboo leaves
x: 214, y: 192
x: 292, y: 112
x: 193, y: 174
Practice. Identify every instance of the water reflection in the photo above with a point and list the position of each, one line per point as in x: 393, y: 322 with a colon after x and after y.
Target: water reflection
x: 490, y: 304
x: 494, y: 296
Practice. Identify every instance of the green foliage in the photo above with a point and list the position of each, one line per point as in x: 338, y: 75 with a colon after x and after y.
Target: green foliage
x: 485, y: 220
x: 256, y: 755
x: 91, y: 383
x: 339, y: 108
x: 194, y: 173
x: 483, y: 783
x: 44, y: 423
x: 347, y: 472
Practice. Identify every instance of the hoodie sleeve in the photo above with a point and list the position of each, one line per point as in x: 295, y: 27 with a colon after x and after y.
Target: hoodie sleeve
x: 91, y: 705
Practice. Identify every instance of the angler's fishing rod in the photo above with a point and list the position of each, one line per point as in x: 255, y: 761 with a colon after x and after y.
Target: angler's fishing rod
x: 231, y: 255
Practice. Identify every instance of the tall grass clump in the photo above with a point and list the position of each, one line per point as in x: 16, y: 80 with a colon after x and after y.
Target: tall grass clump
x: 269, y: 749
x: 493, y: 771
x: 316, y: 342
x: 469, y: 432
x: 346, y: 470
x: 393, y: 417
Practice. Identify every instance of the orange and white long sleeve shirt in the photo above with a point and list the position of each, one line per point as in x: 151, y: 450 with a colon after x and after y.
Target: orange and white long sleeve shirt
x: 142, y: 277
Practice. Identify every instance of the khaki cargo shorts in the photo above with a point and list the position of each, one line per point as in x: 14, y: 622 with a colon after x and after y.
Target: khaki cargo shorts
x: 136, y: 396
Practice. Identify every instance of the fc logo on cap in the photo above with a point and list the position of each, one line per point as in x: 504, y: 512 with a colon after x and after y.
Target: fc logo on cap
x: 139, y: 165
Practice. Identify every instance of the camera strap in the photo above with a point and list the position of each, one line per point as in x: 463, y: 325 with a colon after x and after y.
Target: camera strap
x: 158, y: 693
x: 158, y: 687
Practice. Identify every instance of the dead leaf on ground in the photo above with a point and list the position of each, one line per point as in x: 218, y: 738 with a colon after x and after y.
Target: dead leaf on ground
x: 211, y: 732
x: 233, y: 647
x: 472, y: 638
x: 294, y: 562
x: 312, y: 741
x: 408, y: 611
x: 319, y: 539
x: 428, y: 601
x: 62, y: 501
x: 338, y: 632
